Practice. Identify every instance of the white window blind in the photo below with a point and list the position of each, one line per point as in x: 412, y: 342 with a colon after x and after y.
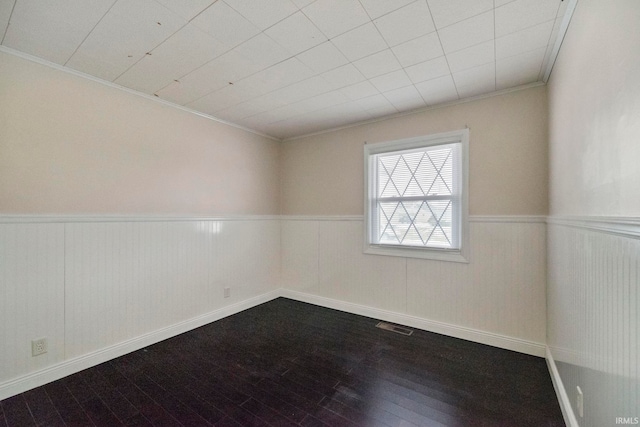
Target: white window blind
x: 416, y: 193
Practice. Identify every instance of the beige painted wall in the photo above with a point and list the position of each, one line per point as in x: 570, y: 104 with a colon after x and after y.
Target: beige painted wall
x: 71, y: 145
x: 593, y: 291
x: 323, y: 174
x: 594, y: 109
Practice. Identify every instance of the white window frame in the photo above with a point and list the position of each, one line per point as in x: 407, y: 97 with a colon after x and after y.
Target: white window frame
x: 370, y: 150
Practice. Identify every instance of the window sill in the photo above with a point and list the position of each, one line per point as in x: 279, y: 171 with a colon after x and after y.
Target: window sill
x: 422, y: 253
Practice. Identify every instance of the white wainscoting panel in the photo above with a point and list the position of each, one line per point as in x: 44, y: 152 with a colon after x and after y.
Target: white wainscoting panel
x: 246, y: 257
x: 31, y: 296
x: 501, y: 290
x: 498, y: 298
x: 593, y: 327
x: 300, y: 269
x: 124, y: 279
x: 347, y: 274
x: 101, y: 287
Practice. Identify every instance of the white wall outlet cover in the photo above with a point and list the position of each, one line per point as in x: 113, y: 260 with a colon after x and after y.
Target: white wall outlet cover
x: 38, y: 346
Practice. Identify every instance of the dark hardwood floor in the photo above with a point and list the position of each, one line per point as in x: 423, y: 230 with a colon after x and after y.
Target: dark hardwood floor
x: 286, y: 363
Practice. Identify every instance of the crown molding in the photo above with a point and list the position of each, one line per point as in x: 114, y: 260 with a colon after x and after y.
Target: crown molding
x: 562, y: 32
x: 112, y: 85
x: 420, y: 110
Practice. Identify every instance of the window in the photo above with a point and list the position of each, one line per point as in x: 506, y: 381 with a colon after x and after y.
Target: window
x: 416, y: 198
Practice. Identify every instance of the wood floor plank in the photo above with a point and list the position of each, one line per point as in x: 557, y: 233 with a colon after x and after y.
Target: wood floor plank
x: 287, y: 363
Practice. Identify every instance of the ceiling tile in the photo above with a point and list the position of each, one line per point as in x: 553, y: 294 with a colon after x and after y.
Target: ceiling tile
x: 418, y: 50
x: 382, y: 111
x: 250, y: 108
x: 278, y: 114
x: 447, y: 12
x: 475, y: 75
x: 183, y: 52
x: 473, y: 56
x: 124, y: 35
x: 233, y: 114
x: 280, y: 75
x: 372, y: 102
x: 343, y: 76
x: 377, y: 8
x: 523, y: 41
x: 438, y: 90
x: 360, y: 42
x: 476, y: 81
x: 518, y: 70
x: 313, y: 86
x: 225, y: 24
x: 50, y: 30
x: 323, y: 57
x: 262, y: 51
x: 318, y: 102
x: 390, y: 81
x: 360, y: 90
x: 499, y: 3
x: 405, y: 98
x: 263, y: 13
x: 225, y: 69
x: 377, y: 64
x: 467, y: 33
x: 407, y: 23
x: 187, y: 9
x: 296, y: 33
x: 522, y: 14
x: 221, y: 99
x: 272, y: 116
x: 5, y: 12
x: 348, y: 112
x: 335, y: 17
x: 428, y: 70
x: 302, y: 3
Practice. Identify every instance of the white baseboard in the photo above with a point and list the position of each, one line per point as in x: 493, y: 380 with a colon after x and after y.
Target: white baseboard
x: 60, y: 370
x: 496, y: 340
x: 563, y: 399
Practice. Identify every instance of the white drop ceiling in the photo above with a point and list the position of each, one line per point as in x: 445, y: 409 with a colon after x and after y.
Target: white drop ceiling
x: 292, y: 67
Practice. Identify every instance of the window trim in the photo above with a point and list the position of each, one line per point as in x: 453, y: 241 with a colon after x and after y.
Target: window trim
x: 454, y: 255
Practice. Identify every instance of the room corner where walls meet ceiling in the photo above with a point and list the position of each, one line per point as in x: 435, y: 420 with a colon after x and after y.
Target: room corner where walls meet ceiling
x: 286, y: 68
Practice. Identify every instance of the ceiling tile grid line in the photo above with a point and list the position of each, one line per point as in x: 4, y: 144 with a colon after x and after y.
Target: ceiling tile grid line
x: 417, y: 102
x: 205, y: 94
x: 295, y: 64
x: 372, y: 54
x: 89, y: 33
x: 440, y: 98
x: 9, y: 12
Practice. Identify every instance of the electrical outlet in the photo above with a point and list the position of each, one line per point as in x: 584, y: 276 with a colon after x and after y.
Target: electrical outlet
x: 38, y: 346
x: 227, y: 292
x: 579, y: 402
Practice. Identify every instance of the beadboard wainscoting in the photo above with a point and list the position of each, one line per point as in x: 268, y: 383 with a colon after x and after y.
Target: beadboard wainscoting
x: 594, y: 316
x: 98, y: 288
x: 498, y: 298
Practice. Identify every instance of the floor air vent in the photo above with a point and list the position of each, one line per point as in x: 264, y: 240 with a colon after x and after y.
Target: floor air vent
x: 394, y: 328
